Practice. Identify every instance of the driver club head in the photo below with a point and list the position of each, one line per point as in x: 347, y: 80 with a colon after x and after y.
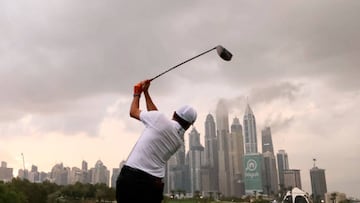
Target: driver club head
x: 223, y: 53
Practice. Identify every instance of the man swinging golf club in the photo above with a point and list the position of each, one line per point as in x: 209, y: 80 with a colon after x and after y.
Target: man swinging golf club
x: 140, y: 179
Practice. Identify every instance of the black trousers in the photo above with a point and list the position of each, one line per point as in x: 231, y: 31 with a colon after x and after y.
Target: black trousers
x: 136, y: 186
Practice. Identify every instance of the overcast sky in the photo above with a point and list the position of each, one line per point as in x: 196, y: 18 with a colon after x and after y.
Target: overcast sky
x: 67, y: 70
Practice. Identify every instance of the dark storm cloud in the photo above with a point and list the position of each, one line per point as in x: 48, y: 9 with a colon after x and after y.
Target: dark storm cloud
x: 267, y: 94
x: 279, y: 122
x: 300, y: 39
x: 58, y: 52
x: 55, y: 54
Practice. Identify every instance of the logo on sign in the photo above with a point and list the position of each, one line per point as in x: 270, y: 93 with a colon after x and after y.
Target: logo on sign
x: 251, y: 165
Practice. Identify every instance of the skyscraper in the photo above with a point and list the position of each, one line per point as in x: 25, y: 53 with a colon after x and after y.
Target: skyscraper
x: 211, y: 153
x: 84, y: 165
x: 85, y: 173
x: 236, y: 153
x: 196, y: 151
x: 250, y: 131
x: 318, y: 183
x: 176, y: 177
x: 222, y: 122
x: 283, y: 164
x: 60, y: 174
x: 100, y: 174
x: 292, y: 178
x: 6, y: 174
x: 253, y: 161
x: 267, y: 144
x: 115, y: 174
x: 270, y: 175
x: 270, y: 172
x: 34, y: 174
x: 75, y: 175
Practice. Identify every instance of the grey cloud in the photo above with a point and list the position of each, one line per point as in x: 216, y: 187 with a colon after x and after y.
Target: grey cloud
x: 278, y: 122
x: 302, y: 39
x: 266, y: 94
x: 56, y: 53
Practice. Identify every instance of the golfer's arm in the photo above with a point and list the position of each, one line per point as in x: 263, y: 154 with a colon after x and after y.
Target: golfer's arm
x: 149, y: 103
x: 135, y: 107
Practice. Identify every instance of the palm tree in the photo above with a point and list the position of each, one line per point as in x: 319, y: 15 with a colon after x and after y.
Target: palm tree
x: 211, y: 195
x: 197, y: 194
x: 218, y: 195
x: 184, y: 193
x: 333, y: 197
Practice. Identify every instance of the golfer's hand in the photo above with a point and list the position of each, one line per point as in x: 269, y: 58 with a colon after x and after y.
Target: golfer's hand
x: 138, y: 89
x: 146, y: 85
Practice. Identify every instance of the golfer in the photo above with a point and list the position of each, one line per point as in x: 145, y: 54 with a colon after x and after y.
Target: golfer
x: 140, y: 179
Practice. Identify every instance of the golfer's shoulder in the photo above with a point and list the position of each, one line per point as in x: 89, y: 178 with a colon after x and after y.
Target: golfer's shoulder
x: 153, y: 115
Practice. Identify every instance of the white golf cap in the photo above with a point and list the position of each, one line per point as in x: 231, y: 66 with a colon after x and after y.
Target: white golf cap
x: 187, y: 113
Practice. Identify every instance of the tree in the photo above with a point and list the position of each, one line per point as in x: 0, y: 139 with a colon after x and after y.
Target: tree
x: 211, y: 195
x: 33, y: 192
x: 9, y: 196
x: 103, y: 192
x: 333, y: 197
x: 172, y: 194
x: 23, y: 191
x: 197, y: 194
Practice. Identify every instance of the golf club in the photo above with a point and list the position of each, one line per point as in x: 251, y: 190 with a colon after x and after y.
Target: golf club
x: 221, y: 51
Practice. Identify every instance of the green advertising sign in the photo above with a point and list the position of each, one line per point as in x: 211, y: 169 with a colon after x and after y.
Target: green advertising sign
x: 253, y: 164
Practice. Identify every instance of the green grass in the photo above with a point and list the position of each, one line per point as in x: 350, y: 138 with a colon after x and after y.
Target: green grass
x: 193, y: 201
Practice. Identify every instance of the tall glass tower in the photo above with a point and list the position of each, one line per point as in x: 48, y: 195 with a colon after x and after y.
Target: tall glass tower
x: 237, y: 158
x: 250, y: 131
x: 211, y: 153
x: 195, y: 154
x: 283, y: 164
x: 270, y: 172
x: 318, y: 183
x: 267, y: 144
x: 222, y: 122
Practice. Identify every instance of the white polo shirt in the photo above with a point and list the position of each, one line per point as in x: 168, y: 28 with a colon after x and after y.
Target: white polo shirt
x: 161, y: 138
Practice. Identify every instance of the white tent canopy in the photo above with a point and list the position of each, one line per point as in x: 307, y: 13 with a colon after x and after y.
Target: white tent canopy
x: 296, y: 195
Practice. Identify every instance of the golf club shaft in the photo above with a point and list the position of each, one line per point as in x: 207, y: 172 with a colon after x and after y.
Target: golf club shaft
x: 181, y: 64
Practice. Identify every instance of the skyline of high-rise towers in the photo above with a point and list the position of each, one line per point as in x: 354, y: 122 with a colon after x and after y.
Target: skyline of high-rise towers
x: 223, y: 166
x: 198, y: 170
